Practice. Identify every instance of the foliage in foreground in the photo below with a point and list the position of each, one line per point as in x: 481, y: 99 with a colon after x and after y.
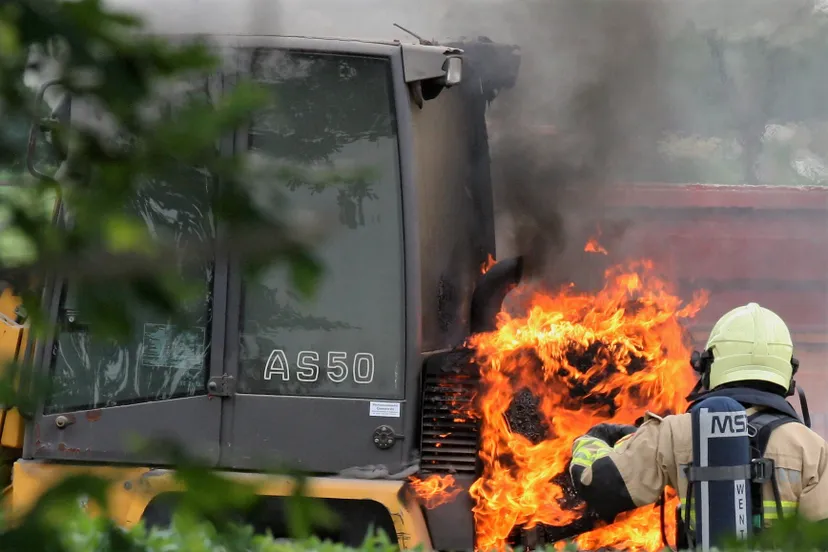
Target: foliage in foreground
x: 58, y: 523
x: 79, y: 532
x: 145, y: 132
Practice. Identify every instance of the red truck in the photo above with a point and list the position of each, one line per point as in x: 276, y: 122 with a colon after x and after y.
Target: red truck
x: 767, y: 244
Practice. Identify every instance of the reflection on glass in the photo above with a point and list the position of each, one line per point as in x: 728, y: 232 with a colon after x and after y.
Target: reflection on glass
x: 14, y: 136
x: 161, y: 359
x: 331, y: 132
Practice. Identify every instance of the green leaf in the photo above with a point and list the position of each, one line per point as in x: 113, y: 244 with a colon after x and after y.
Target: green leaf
x: 305, y: 273
x: 9, y: 40
x: 125, y: 233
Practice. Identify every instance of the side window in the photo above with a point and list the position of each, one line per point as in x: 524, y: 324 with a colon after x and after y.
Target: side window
x: 162, y: 359
x: 14, y: 134
x: 331, y: 135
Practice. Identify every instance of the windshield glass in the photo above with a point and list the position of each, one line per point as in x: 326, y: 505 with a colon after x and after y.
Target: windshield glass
x: 331, y: 132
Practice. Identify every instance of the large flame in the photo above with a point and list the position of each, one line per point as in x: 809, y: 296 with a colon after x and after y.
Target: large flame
x: 569, y: 361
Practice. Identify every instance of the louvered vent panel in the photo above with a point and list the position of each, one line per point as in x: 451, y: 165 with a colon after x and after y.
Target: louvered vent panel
x: 449, y: 436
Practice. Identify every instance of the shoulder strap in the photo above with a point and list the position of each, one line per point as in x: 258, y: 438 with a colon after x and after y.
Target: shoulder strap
x: 761, y: 425
x: 753, y: 397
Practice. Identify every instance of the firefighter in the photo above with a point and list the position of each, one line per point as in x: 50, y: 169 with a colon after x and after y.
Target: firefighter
x: 748, y: 357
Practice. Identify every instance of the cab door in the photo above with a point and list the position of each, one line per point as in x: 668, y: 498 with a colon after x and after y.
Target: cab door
x: 321, y: 382
x: 108, y: 398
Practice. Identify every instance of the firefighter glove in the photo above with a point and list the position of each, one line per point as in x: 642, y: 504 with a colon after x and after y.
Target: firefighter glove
x: 611, y: 433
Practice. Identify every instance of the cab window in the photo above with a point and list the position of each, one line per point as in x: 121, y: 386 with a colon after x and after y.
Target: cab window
x: 331, y: 135
x: 162, y: 358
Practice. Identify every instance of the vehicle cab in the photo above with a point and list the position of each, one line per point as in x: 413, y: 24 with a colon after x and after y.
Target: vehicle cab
x: 259, y: 377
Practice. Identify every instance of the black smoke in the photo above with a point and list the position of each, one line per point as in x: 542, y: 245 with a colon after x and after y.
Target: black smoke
x: 587, y: 111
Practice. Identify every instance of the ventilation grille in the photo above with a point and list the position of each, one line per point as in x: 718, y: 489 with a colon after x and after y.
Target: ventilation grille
x: 449, y: 434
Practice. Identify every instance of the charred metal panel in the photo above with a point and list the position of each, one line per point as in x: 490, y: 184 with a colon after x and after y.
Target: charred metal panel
x: 451, y: 525
x: 453, y: 178
x: 447, y: 222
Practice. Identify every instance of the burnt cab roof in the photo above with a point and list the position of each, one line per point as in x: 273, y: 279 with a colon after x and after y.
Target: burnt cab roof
x: 493, y: 63
x: 420, y: 61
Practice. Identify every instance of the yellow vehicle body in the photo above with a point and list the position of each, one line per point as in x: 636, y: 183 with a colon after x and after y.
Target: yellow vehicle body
x: 134, y: 487
x: 12, y: 337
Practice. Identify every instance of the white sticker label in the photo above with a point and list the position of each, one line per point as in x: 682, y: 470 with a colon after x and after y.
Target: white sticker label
x: 385, y: 409
x: 167, y: 346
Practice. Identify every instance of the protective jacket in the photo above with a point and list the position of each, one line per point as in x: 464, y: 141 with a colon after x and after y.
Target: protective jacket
x: 619, y: 468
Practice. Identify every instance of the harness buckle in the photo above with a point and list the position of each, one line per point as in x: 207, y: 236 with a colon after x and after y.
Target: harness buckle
x: 762, y: 470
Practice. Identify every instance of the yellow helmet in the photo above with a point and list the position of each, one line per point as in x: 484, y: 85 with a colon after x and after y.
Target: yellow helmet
x: 750, y: 343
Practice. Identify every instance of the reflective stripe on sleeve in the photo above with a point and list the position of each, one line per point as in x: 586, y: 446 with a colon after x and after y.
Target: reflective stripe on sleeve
x: 588, y: 450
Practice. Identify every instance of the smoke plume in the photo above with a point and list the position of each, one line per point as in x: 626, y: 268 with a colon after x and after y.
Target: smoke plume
x: 587, y: 109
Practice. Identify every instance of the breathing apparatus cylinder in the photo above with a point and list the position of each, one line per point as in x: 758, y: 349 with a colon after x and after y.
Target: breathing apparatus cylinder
x: 719, y: 478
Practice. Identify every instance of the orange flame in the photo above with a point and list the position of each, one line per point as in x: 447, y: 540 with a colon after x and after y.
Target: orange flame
x: 488, y: 264
x: 584, y: 358
x: 435, y: 490
x: 592, y: 246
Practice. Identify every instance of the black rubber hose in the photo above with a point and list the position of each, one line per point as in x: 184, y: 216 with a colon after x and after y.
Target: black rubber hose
x: 490, y: 291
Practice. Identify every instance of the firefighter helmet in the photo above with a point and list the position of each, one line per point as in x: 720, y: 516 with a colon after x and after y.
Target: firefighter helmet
x: 750, y: 343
